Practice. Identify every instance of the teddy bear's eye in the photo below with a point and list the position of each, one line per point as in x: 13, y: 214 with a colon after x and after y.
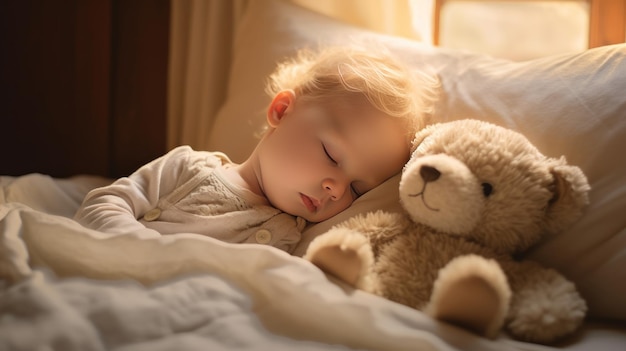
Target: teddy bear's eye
x: 487, y: 189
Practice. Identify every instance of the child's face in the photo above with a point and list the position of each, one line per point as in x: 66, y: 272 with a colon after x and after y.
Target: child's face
x: 317, y: 158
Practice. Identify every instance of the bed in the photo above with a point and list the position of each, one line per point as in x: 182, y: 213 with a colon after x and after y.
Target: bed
x: 65, y: 287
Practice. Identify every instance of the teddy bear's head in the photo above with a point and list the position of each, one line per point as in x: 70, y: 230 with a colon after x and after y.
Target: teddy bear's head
x: 489, y: 184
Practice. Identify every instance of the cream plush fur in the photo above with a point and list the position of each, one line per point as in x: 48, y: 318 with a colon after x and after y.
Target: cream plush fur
x: 475, y: 197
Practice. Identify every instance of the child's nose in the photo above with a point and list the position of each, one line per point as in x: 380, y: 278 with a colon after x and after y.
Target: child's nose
x: 335, y: 188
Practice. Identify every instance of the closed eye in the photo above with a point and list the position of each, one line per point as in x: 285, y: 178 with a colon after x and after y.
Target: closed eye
x: 328, y: 154
x: 353, y: 189
x: 356, y: 193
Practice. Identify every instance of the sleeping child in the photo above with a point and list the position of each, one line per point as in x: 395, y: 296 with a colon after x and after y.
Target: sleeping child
x: 339, y: 123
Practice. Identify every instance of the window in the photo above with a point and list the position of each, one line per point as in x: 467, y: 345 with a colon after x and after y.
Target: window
x: 520, y: 30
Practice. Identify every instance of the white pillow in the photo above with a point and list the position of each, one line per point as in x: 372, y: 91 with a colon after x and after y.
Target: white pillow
x: 572, y: 105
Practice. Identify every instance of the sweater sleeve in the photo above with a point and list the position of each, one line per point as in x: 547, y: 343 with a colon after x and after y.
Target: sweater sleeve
x: 116, y: 208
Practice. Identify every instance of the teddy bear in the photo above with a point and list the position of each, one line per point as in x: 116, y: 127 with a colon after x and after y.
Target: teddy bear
x: 474, y: 198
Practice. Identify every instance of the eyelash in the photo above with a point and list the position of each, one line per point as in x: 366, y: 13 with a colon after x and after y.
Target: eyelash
x: 328, y: 155
x: 354, y: 191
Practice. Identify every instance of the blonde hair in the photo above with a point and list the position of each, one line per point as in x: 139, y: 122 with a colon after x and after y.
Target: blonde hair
x: 333, y: 72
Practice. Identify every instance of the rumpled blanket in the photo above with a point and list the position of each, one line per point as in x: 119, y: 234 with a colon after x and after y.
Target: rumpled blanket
x: 66, y: 287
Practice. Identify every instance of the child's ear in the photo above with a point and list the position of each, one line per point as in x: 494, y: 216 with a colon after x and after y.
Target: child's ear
x: 281, y: 104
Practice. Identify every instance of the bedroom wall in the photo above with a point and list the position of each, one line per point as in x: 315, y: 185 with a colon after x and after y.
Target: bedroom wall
x: 83, y: 85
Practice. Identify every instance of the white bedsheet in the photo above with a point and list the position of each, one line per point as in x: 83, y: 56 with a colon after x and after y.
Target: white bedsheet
x: 78, y: 289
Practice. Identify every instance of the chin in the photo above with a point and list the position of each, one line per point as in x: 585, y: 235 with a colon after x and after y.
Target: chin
x: 311, y: 217
x: 316, y: 218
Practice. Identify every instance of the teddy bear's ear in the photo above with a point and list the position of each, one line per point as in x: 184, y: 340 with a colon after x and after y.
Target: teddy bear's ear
x: 421, y: 135
x: 570, y: 196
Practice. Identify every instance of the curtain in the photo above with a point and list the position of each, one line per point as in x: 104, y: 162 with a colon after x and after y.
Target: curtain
x: 201, y: 41
x: 201, y: 36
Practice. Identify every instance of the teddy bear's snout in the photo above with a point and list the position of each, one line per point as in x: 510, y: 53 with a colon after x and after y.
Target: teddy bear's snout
x: 429, y: 174
x: 442, y: 192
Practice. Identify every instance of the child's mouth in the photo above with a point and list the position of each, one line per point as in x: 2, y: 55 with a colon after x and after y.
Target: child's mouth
x: 308, y: 203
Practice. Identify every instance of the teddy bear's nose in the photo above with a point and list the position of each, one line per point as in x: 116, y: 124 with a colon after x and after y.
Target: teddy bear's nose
x: 429, y: 174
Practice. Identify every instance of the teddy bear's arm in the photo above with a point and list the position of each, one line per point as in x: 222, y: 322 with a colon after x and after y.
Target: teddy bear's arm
x: 344, y: 253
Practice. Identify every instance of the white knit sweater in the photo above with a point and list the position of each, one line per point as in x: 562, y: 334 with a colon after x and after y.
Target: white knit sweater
x: 185, y: 191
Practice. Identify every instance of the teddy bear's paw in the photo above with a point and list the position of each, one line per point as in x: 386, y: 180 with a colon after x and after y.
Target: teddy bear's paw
x: 471, y: 292
x: 546, y: 315
x: 343, y: 253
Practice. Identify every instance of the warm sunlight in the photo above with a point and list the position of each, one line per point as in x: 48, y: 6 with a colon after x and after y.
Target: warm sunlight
x: 517, y: 30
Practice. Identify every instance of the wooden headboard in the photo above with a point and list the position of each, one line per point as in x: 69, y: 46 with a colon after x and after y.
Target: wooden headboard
x: 84, y: 86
